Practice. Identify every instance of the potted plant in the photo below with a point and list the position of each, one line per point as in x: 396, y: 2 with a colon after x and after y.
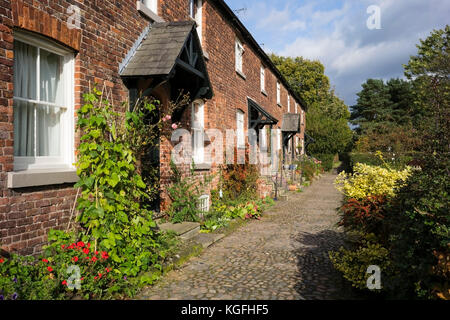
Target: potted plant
x: 292, y: 186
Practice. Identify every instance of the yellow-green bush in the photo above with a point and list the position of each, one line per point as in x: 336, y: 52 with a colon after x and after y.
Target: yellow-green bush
x: 353, y: 264
x: 369, y: 180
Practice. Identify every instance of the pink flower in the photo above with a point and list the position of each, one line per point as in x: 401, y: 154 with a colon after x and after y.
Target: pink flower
x: 174, y: 126
x: 168, y: 117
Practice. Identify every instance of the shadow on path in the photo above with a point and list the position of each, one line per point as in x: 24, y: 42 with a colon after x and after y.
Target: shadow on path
x: 317, y: 279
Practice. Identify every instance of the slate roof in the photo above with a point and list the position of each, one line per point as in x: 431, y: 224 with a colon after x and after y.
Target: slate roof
x: 291, y: 122
x: 159, y: 50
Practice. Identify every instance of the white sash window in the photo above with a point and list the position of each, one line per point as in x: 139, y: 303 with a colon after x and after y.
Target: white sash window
x: 198, y: 125
x: 278, y: 93
x: 240, y: 129
x: 263, y: 79
x: 43, y: 104
x: 239, y: 54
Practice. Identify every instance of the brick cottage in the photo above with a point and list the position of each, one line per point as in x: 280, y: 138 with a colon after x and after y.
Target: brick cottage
x: 51, y: 51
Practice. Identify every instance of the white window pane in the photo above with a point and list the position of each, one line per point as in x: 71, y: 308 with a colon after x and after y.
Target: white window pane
x: 48, y: 131
x: 51, y: 68
x: 25, y: 59
x: 24, y: 122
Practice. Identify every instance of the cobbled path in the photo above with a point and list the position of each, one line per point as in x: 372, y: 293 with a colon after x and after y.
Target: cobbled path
x: 283, y: 256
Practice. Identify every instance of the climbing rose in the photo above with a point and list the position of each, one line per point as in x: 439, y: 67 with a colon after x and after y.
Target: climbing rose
x: 44, y: 260
x: 64, y: 282
x: 80, y: 244
x: 86, y: 250
x: 1, y: 260
x: 50, y: 269
x: 174, y: 126
x: 104, y: 255
x: 75, y: 259
x: 94, y: 259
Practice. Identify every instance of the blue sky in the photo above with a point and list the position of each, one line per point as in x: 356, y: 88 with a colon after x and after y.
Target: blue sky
x: 336, y: 33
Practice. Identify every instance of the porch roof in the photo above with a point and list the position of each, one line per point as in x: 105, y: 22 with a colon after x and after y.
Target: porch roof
x: 167, y: 48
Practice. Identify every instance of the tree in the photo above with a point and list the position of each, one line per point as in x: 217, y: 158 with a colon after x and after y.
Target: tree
x: 327, y: 116
x: 373, y: 106
x: 386, y: 116
x: 430, y: 72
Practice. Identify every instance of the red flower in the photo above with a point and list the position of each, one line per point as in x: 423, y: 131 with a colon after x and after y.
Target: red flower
x: 96, y: 252
x: 80, y: 244
x: 95, y: 278
x: 105, y: 255
x: 107, y: 270
x: 70, y: 247
x: 94, y: 259
x: 88, y: 245
x: 99, y: 275
x: 87, y: 258
x: 1, y: 260
x: 50, y: 269
x: 82, y: 278
x: 64, y: 283
x: 44, y: 260
x: 86, y: 250
x: 63, y: 246
x: 75, y: 259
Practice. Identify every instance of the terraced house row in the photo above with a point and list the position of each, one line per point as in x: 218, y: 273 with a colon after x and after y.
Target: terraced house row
x: 51, y: 51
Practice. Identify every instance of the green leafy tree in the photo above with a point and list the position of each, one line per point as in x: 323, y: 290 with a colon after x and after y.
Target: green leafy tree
x: 327, y: 116
x: 430, y: 72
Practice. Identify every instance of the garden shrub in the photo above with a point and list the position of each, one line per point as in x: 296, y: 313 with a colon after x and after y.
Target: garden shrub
x: 327, y: 160
x: 353, y: 264
x: 184, y: 193
x: 239, y: 181
x: 365, y: 215
x: 371, y: 181
x: 394, y: 160
x: 419, y: 223
x: 310, y: 167
x: 50, y: 275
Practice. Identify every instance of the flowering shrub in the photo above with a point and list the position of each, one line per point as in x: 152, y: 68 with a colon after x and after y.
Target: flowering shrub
x: 64, y: 271
x: 371, y: 181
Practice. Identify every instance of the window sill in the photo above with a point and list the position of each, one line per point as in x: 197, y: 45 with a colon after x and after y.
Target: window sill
x: 142, y: 8
x: 202, y: 167
x: 264, y: 92
x: 41, y: 177
x: 241, y: 74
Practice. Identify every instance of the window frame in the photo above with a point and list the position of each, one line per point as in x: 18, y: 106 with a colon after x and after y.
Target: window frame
x: 67, y: 157
x: 239, y: 51
x: 263, y: 79
x: 278, y: 93
x: 198, y: 152
x: 240, y: 129
x: 289, y: 103
x: 151, y: 5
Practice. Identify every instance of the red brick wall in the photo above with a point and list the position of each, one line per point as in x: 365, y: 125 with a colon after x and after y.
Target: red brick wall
x: 108, y: 30
x: 105, y: 37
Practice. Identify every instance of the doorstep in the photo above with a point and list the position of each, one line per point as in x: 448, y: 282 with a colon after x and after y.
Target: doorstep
x: 207, y: 239
x: 185, y: 230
